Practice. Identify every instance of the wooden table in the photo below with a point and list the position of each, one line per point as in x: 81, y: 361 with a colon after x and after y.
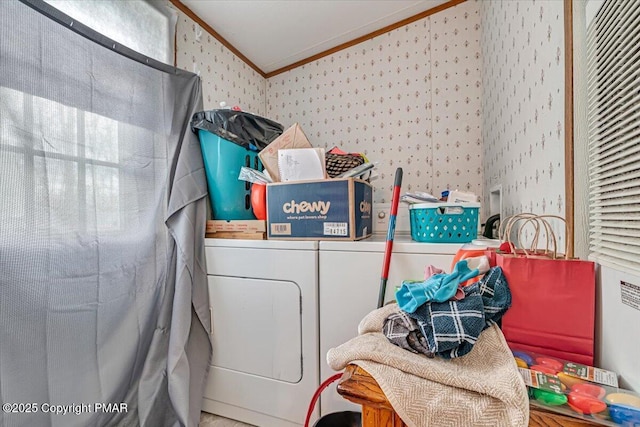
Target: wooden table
x: 359, y: 387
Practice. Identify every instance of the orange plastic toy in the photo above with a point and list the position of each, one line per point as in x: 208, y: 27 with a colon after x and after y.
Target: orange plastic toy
x: 259, y: 200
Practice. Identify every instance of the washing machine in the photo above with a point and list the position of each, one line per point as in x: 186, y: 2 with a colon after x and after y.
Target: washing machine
x: 349, y: 283
x: 264, y: 322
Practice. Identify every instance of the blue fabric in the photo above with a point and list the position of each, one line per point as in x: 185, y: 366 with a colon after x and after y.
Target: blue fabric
x: 452, y: 328
x: 496, y: 296
x: 437, y: 288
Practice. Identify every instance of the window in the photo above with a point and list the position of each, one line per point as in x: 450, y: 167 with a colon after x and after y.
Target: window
x: 145, y: 26
x: 74, y: 162
x: 80, y: 156
x: 613, y: 90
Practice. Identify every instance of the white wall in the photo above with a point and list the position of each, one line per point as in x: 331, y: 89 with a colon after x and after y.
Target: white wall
x: 617, y: 328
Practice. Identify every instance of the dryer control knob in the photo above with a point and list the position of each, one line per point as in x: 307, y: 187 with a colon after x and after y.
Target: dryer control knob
x: 381, y: 214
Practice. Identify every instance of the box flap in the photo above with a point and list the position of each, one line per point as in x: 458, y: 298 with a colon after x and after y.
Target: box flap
x: 291, y: 138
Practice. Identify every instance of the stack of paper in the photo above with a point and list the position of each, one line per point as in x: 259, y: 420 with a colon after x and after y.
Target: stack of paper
x: 301, y: 164
x: 418, y: 197
x: 291, y: 138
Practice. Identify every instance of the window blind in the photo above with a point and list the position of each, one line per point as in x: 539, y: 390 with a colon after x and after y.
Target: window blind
x: 613, y: 93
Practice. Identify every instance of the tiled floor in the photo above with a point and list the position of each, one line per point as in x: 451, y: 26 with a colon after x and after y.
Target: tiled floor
x: 210, y: 420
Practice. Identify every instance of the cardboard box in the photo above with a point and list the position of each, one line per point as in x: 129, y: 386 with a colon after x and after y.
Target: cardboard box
x: 236, y: 226
x: 241, y: 235
x: 291, y: 138
x: 331, y: 209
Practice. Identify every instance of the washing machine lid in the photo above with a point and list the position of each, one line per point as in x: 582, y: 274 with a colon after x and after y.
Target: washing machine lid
x: 402, y: 243
x: 310, y: 245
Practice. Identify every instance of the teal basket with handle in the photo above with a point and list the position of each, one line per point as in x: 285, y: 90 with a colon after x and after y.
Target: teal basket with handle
x: 444, y: 222
x: 223, y: 159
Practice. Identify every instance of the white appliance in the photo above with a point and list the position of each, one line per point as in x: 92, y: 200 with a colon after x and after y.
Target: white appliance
x: 264, y: 321
x: 350, y: 281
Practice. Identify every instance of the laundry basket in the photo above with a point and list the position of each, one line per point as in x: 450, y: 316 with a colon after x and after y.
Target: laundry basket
x: 444, y: 222
x: 230, y: 197
x: 230, y: 140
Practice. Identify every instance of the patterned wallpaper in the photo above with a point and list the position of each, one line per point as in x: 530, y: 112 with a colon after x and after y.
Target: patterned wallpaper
x: 523, y: 104
x: 225, y: 77
x: 410, y: 98
x: 455, y: 105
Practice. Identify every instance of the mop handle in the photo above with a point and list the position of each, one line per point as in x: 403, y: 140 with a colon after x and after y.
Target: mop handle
x: 390, y: 234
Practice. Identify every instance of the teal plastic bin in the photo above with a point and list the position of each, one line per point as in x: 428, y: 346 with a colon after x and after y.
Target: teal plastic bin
x: 230, y: 197
x: 229, y: 140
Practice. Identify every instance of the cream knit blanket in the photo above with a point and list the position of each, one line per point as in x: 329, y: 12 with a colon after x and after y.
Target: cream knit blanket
x: 482, y: 388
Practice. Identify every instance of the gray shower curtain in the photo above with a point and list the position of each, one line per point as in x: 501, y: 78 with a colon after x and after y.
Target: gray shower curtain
x: 103, y: 301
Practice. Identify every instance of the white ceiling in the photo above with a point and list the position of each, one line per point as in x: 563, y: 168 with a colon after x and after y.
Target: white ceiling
x: 276, y: 33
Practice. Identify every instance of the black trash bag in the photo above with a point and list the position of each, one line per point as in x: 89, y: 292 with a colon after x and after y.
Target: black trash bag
x: 247, y: 130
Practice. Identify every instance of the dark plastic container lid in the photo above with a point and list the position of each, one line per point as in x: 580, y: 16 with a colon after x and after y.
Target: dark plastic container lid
x: 245, y: 129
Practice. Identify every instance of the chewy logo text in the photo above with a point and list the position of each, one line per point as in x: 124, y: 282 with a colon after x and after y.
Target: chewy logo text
x: 365, y: 207
x: 319, y: 206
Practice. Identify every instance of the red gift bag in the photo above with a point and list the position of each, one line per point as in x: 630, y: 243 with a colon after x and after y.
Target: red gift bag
x: 553, y: 301
x: 490, y: 253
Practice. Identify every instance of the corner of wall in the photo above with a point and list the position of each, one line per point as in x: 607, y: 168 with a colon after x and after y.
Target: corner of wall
x: 523, y: 105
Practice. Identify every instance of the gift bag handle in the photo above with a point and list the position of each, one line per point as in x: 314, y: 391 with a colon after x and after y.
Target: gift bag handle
x: 508, y: 223
x: 568, y: 244
x: 535, y: 220
x: 506, y: 227
x: 551, y: 236
x: 528, y: 218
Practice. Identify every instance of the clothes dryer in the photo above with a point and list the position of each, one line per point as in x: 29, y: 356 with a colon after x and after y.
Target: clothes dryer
x: 349, y: 282
x: 264, y: 322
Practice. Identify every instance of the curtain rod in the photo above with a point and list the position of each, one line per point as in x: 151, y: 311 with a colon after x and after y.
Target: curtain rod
x: 89, y: 33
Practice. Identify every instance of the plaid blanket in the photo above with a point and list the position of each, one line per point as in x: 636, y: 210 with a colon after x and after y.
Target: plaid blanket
x: 496, y: 296
x: 451, y: 328
x: 404, y: 332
